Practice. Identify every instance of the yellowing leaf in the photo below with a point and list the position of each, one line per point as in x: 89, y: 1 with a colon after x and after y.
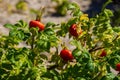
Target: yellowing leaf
x: 84, y: 17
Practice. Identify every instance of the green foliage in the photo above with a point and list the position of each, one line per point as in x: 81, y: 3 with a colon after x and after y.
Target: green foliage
x: 114, y: 58
x: 21, y: 5
x: 61, y: 7
x: 24, y: 63
x: 109, y: 76
x: 39, y: 59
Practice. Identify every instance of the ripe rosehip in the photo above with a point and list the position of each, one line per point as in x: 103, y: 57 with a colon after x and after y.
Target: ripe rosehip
x: 74, y: 30
x: 104, y: 53
x: 118, y: 67
x: 34, y: 23
x: 66, y: 55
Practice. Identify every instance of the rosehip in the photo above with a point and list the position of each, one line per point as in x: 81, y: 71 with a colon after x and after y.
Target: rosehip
x: 66, y: 55
x: 118, y: 67
x: 104, y: 53
x: 34, y: 23
x: 74, y: 30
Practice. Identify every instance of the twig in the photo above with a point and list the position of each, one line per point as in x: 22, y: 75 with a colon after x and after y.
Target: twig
x: 95, y: 49
x: 52, y: 67
x: 115, y: 38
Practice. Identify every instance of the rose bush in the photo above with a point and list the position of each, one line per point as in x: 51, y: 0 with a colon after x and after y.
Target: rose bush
x: 38, y: 60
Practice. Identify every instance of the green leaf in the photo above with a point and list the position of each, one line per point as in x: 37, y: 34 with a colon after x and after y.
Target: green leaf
x: 109, y: 76
x: 116, y: 78
x: 62, y: 9
x: 117, y: 42
x: 3, y: 71
x: 80, y: 78
x: 26, y: 36
x: 77, y: 12
x: 76, y: 52
x: 114, y: 60
x: 71, y: 21
x: 17, y: 34
x: 12, y: 33
x: 116, y: 29
x: 7, y: 66
x: 47, y: 75
x: 90, y: 66
x: 20, y: 35
x: 49, y: 24
x: 76, y: 43
x: 75, y: 9
x: 21, y: 24
x: 108, y: 12
x: 49, y: 32
x: 84, y: 58
x: 72, y: 6
x: 10, y: 26
x: 44, y: 45
x: 34, y: 30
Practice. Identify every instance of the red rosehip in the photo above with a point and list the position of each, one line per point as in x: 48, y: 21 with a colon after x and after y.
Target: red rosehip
x: 104, y: 53
x: 66, y: 55
x: 74, y: 30
x: 34, y: 23
x: 118, y: 67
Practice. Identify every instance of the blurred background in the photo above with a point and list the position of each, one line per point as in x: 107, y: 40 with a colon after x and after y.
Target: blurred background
x: 54, y: 10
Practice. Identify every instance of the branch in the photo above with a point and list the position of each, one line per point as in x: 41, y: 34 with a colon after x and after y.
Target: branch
x: 95, y: 49
x: 53, y: 67
x: 115, y: 38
